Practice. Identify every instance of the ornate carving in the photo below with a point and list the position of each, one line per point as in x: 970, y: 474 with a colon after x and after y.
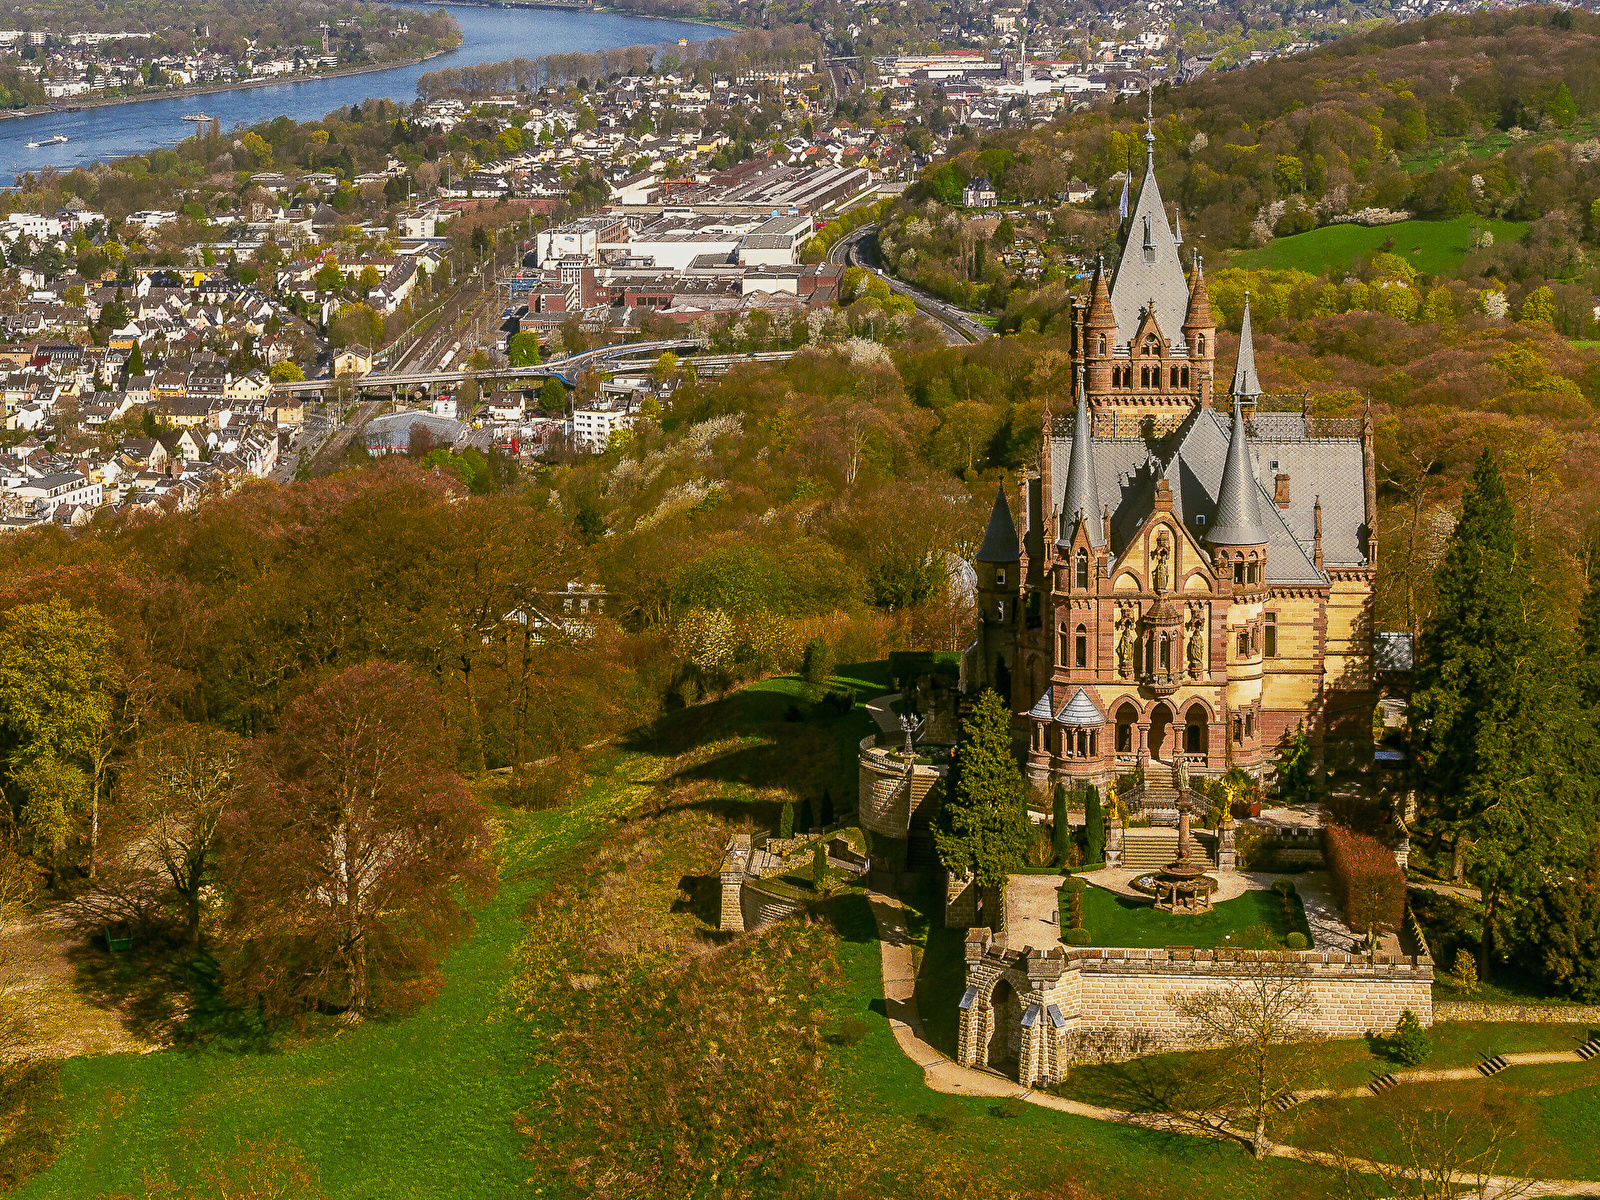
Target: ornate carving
x: 1161, y: 574
x: 1195, y: 651
x: 1127, y: 642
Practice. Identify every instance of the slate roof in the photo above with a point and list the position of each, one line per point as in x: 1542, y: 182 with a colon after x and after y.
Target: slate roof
x: 1000, y: 538
x: 1082, y: 494
x: 1237, y: 520
x: 1150, y: 268
x: 1080, y: 710
x: 1045, y: 709
x: 1245, y: 382
x: 1194, y: 456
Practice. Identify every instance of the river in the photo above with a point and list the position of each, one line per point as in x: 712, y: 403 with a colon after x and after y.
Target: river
x: 488, y: 35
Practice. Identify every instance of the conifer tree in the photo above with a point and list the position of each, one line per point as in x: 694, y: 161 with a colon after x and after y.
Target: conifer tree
x: 1062, y: 825
x: 984, y: 826
x: 136, y: 360
x: 1504, y: 748
x: 786, y: 821
x: 1589, y: 644
x: 1094, y: 827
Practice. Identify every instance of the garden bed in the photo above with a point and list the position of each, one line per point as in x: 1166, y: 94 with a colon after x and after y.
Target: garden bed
x: 1113, y: 919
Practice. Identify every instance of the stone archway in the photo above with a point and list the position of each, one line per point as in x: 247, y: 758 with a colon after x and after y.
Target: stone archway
x: 1161, y: 747
x: 1005, y: 1033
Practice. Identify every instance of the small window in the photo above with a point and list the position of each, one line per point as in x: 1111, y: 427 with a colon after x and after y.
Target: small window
x: 1273, y: 465
x: 1080, y: 653
x: 1244, y: 643
x: 1238, y: 573
x: 1250, y: 724
x: 1200, y: 519
x: 1083, y: 569
x: 1238, y: 730
x: 1272, y: 635
x: 1000, y: 577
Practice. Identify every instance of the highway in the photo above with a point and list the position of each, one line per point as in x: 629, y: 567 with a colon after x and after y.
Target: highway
x: 855, y: 249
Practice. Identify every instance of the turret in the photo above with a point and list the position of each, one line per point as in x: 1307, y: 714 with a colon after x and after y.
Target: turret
x: 999, y: 592
x: 1080, y: 503
x: 1100, y: 332
x: 1237, y: 534
x: 1200, y: 333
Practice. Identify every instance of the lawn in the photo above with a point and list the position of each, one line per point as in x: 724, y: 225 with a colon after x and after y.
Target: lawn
x: 1116, y: 920
x: 1432, y: 247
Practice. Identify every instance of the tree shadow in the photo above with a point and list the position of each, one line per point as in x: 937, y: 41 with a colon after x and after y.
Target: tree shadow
x: 700, y: 895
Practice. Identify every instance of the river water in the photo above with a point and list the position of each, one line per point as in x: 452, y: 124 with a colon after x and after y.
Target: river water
x: 488, y: 35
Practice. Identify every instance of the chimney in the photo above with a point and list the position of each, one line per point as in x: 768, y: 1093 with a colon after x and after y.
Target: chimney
x: 1281, y: 492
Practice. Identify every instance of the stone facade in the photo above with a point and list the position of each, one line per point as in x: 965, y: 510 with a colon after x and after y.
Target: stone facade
x: 889, y: 793
x: 1023, y: 1010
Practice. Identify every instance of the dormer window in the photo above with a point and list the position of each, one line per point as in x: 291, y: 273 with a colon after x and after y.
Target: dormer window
x: 1149, y: 242
x: 1083, y: 569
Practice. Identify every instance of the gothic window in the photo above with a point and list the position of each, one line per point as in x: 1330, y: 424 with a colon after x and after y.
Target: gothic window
x: 1144, y: 377
x: 1083, y: 744
x: 1173, y: 379
x: 1194, y: 730
x: 1000, y: 610
x: 1083, y: 569
x: 1126, y: 716
x: 1063, y: 634
x: 1250, y: 724
x: 1238, y: 730
x: 1200, y: 345
x: 1185, y: 376
x: 1272, y: 635
x: 1238, y: 571
x: 1102, y: 344
x: 1000, y: 577
x: 1152, y: 348
x: 1080, y: 651
x: 1244, y: 643
x: 1094, y: 743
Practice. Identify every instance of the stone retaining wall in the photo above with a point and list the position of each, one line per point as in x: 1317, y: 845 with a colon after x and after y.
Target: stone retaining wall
x: 1543, y: 1014
x: 887, y: 794
x: 1036, y: 1002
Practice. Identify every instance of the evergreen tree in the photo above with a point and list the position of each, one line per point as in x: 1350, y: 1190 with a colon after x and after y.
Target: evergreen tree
x: 1558, y: 932
x: 1063, y: 826
x: 136, y: 361
x: 1504, y: 749
x: 984, y: 826
x: 1589, y: 644
x: 1094, y: 827
x: 786, y: 821
x: 827, y: 808
x: 819, y: 867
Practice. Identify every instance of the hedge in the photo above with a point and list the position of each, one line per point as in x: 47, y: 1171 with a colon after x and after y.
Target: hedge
x: 1367, y: 881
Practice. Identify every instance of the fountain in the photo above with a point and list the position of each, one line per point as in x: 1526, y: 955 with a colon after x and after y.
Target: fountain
x: 1182, y: 886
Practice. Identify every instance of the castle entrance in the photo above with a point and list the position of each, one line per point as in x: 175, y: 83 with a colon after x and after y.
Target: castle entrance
x: 1161, y: 733
x: 1005, y: 1036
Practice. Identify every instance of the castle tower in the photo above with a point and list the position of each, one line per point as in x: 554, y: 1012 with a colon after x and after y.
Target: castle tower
x: 1200, y: 333
x: 1100, y: 334
x: 1246, y: 387
x: 1237, y: 539
x: 999, y: 565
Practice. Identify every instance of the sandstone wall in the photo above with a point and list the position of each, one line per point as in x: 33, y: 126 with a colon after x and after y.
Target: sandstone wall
x: 887, y: 798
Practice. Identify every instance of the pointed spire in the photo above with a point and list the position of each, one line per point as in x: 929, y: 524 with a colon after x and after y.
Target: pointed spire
x: 1082, y: 497
x: 1177, y: 225
x: 1100, y: 314
x: 1199, y: 315
x: 1000, y: 538
x: 1150, y: 129
x: 1237, y: 521
x: 1245, y: 382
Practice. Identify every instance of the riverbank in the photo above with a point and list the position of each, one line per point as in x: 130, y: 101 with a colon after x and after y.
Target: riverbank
x: 211, y: 89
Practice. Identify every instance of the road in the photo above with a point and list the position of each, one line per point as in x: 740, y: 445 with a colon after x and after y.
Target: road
x: 961, y: 327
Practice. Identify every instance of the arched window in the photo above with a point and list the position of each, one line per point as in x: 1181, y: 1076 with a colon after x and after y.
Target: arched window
x: 1238, y: 570
x: 1080, y: 650
x: 1185, y: 382
x: 1064, y: 642
x: 1144, y: 377
x: 1250, y: 724
x: 1102, y: 343
x: 1244, y: 643
x: 1094, y: 743
x: 1083, y: 744
x: 1238, y: 730
x: 1200, y: 345
x: 1173, y: 380
x: 1166, y: 653
x: 1194, y: 730
x: 1152, y: 348
x: 1083, y: 569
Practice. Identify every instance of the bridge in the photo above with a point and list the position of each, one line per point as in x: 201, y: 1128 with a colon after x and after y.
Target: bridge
x: 627, y: 355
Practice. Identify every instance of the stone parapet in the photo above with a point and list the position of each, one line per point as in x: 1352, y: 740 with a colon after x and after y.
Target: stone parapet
x: 734, y: 861
x: 889, y: 791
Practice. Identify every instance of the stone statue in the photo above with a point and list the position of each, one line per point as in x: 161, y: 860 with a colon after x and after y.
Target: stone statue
x: 1126, y: 645
x: 1196, y: 647
x: 1183, y: 775
x: 1161, y: 575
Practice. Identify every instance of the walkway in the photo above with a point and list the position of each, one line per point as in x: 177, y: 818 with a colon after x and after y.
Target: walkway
x: 943, y: 1075
x: 883, y: 714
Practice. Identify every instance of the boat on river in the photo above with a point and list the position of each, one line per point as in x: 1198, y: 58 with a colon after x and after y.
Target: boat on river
x: 55, y: 140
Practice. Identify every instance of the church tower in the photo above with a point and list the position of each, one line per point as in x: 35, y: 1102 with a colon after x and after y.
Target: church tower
x: 999, y: 564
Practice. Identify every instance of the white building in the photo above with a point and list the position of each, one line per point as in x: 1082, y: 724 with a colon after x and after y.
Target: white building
x: 592, y: 428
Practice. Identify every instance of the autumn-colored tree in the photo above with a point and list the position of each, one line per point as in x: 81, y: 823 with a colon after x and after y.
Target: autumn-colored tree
x: 348, y: 849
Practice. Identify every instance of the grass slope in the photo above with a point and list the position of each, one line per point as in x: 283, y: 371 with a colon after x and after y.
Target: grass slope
x: 1432, y: 247
x: 1116, y: 920
x: 419, y: 1107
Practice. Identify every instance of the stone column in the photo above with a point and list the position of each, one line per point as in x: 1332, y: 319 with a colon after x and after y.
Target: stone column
x: 1227, y: 859
x: 1113, y: 844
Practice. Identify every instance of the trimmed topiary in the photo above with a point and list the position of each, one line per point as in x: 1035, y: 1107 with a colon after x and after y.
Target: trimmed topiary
x: 1410, y: 1042
x: 1284, y: 887
x: 1295, y: 941
x: 1073, y: 884
x: 1076, y: 937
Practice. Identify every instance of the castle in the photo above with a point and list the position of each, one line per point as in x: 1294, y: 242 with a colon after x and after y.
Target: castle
x: 1194, y: 577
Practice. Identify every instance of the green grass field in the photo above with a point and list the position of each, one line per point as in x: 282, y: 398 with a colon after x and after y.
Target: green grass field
x: 1432, y: 247
x: 1116, y: 920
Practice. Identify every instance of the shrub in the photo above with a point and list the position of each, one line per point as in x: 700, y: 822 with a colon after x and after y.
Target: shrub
x: 1041, y: 850
x: 1295, y: 941
x: 1073, y: 884
x: 841, y: 699
x: 1410, y: 1043
x: 826, y: 809
x: 1284, y: 887
x: 816, y: 665
x: 1062, y: 826
x: 1077, y: 936
x: 852, y: 1031
x: 1465, y: 973
x: 1011, y: 1107
x: 1251, y: 847
x: 820, y: 874
x: 1366, y: 879
x: 786, y: 821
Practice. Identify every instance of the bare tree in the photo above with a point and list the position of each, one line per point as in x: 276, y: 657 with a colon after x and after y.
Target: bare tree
x: 1262, y: 1005
x: 347, y: 848
x: 1443, y: 1154
x: 176, y: 792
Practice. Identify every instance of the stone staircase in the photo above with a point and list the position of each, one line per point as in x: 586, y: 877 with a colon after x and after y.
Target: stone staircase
x: 1160, y: 794
x: 1147, y: 849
